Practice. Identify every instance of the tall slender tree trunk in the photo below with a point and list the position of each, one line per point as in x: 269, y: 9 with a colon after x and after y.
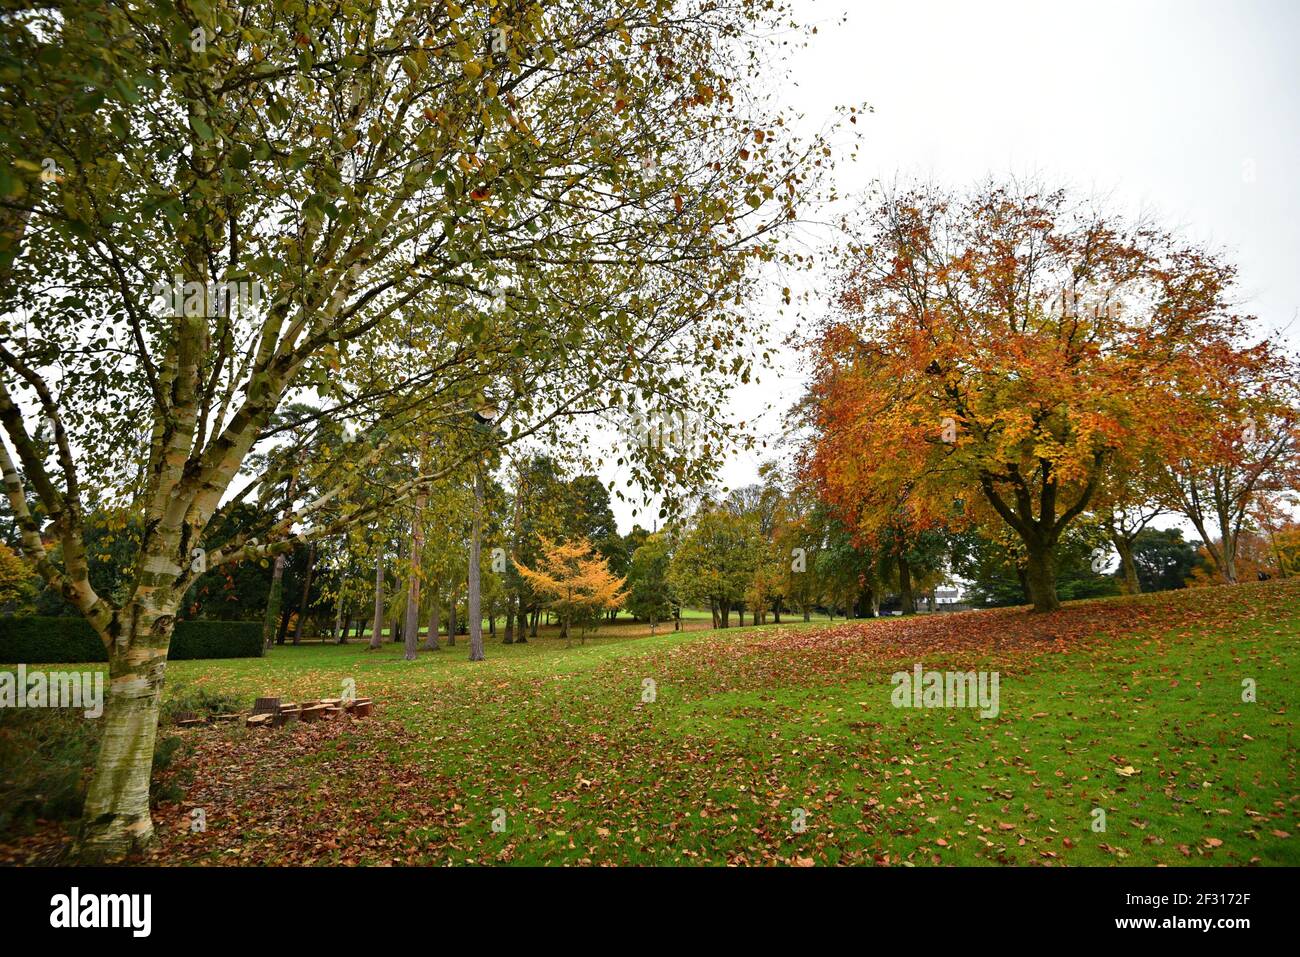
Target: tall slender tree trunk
x: 435, y: 613
x: 306, y: 594
x: 271, y: 622
x: 508, y: 635
x: 340, y: 632
x: 475, y: 609
x: 452, y: 623
x: 377, y: 638
x: 411, y: 634
x: 275, y: 599
x: 286, y: 615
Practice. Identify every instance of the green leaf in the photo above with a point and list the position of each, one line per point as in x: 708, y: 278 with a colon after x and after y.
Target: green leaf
x: 201, y: 129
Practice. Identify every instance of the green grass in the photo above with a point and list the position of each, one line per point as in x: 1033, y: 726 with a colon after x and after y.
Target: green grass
x: 748, y: 726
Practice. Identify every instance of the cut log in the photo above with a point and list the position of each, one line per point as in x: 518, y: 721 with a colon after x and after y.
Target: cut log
x: 260, y: 721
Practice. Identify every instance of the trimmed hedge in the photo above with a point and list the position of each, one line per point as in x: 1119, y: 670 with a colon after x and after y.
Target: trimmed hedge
x: 35, y: 639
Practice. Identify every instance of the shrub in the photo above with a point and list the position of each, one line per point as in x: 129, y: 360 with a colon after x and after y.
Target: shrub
x: 46, y: 755
x: 49, y: 640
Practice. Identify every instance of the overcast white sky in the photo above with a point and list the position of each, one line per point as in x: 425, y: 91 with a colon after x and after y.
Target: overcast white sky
x: 1190, y: 109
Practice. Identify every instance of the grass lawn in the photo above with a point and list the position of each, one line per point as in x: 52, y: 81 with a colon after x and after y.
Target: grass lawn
x: 1133, y: 706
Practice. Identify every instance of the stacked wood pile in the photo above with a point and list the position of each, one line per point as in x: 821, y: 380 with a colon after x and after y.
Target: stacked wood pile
x: 274, y: 713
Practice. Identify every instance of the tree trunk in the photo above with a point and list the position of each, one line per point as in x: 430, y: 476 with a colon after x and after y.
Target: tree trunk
x: 435, y: 611
x: 285, y: 616
x: 907, y: 599
x: 116, y: 821
x: 377, y: 639
x: 272, y: 621
x: 411, y: 632
x: 1129, y: 583
x: 451, y: 619
x: 306, y: 595
x: 276, y: 599
x: 1229, y: 547
x: 1040, y: 579
x: 475, y: 609
x: 340, y: 632
x: 508, y: 637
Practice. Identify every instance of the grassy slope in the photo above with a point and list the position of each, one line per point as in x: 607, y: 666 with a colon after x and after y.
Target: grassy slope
x: 748, y: 726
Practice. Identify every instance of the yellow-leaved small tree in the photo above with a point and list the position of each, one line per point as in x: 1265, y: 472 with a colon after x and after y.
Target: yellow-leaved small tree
x: 575, y: 583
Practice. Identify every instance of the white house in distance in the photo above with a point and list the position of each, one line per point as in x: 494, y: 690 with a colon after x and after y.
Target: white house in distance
x: 950, y: 595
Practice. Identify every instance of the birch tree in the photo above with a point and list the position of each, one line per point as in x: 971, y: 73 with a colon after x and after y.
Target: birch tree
x: 212, y: 209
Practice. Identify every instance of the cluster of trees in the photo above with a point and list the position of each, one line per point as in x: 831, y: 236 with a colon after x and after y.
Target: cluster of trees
x: 329, y: 587
x: 775, y: 547
x: 771, y: 548
x: 1033, y: 370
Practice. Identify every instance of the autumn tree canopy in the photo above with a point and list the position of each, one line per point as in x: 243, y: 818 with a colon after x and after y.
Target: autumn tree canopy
x: 992, y: 356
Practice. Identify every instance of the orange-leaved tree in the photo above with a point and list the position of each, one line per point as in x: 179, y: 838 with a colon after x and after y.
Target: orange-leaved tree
x: 575, y: 583
x: 993, y: 355
x: 1243, y: 464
